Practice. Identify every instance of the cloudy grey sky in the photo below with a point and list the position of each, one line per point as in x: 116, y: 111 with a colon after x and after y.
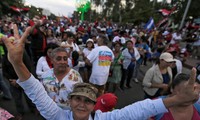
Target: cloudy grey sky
x: 58, y: 7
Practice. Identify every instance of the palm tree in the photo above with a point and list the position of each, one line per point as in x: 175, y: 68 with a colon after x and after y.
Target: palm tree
x: 84, y: 8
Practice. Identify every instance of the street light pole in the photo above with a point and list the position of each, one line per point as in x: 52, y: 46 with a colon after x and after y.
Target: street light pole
x: 185, y: 13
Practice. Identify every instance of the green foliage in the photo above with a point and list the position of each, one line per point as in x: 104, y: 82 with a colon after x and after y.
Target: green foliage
x: 137, y: 11
x: 84, y: 7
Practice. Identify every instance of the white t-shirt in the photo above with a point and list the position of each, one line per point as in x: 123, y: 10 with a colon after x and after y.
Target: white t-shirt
x: 86, y: 52
x: 72, y: 29
x: 120, y: 39
x: 42, y: 66
x: 101, y: 58
x: 95, y: 45
x: 175, y: 38
x: 116, y: 38
x: 74, y: 45
x: 123, y: 40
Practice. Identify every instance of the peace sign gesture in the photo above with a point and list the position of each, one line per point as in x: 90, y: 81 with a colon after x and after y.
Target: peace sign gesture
x: 15, y: 46
x: 188, y: 94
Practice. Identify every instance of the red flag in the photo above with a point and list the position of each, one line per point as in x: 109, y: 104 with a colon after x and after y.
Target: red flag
x: 25, y: 9
x: 15, y: 9
x: 19, y: 9
x: 165, y: 12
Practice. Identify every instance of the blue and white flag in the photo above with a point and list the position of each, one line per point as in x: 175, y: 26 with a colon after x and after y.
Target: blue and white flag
x: 149, y: 25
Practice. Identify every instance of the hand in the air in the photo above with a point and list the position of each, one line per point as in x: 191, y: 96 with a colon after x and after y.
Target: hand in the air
x: 15, y: 46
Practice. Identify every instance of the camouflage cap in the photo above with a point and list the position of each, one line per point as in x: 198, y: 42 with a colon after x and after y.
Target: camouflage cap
x: 86, y: 90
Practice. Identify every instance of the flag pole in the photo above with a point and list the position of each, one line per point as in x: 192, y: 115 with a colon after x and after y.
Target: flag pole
x: 185, y: 13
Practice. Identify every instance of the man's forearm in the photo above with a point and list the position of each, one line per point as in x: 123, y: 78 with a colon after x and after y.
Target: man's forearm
x: 21, y: 71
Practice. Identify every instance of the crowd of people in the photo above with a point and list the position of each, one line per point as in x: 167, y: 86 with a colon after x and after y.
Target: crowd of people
x: 67, y: 68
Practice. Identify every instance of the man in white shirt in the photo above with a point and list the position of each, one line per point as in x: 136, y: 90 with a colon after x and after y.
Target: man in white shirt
x: 120, y: 38
x: 176, y: 37
x: 72, y: 28
x: 100, y: 58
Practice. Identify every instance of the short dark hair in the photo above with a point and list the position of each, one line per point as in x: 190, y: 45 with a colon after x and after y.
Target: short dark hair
x: 182, y: 77
x: 117, y: 42
x: 92, y: 44
x: 50, y: 46
x: 70, y: 34
x: 129, y: 41
x: 104, y: 39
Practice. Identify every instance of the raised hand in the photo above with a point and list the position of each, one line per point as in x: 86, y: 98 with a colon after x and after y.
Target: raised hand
x: 15, y: 46
x: 190, y: 92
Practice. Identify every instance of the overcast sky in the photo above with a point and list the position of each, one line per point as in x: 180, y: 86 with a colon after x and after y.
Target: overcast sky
x: 58, y: 7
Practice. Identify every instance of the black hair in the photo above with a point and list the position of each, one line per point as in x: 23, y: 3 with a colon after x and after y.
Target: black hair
x: 75, y: 57
x: 174, y: 53
x: 104, y: 39
x: 50, y: 46
x: 129, y: 41
x: 122, y: 33
x: 91, y: 42
x: 69, y: 34
x: 117, y: 42
x: 182, y: 77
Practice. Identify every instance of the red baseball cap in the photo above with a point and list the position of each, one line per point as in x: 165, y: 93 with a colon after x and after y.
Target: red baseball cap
x: 106, y: 102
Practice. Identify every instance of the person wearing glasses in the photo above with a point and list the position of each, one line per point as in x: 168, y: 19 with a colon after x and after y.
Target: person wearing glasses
x: 158, y: 78
x: 83, y: 97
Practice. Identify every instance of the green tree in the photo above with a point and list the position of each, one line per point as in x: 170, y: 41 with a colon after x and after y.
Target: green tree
x: 83, y: 9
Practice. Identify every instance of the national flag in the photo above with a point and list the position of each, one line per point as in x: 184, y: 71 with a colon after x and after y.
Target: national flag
x: 164, y: 12
x: 149, y: 25
x: 25, y: 9
x: 16, y: 9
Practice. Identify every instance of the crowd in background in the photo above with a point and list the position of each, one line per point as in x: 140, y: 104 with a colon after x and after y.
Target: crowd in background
x: 100, y: 53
